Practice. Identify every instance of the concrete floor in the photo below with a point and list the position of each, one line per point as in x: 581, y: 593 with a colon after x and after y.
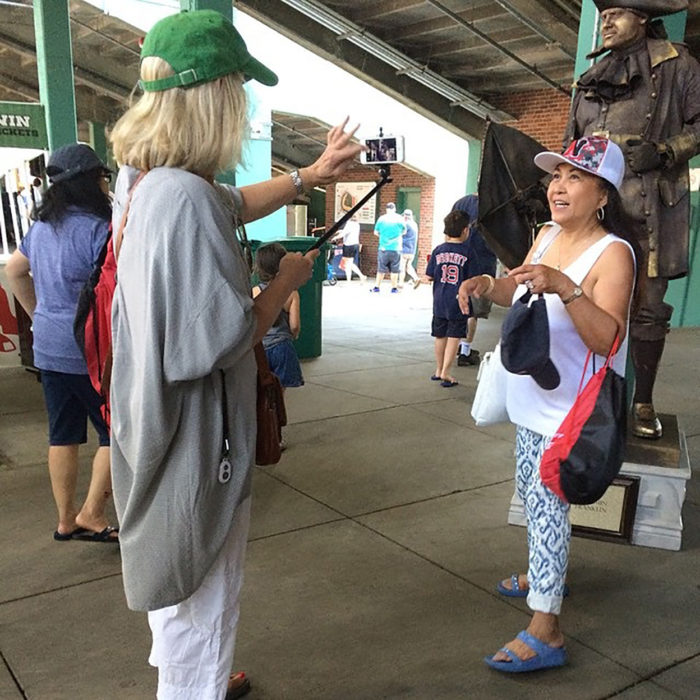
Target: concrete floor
x: 375, y: 546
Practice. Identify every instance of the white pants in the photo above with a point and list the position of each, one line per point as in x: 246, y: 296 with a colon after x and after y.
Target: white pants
x: 193, y: 641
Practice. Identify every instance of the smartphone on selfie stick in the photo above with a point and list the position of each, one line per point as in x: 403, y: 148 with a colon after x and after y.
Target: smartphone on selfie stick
x: 384, y: 172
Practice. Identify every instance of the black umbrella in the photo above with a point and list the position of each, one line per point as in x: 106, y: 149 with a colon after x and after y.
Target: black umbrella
x: 512, y: 197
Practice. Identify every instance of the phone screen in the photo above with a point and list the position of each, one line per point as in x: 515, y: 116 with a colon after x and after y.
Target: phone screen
x: 385, y: 149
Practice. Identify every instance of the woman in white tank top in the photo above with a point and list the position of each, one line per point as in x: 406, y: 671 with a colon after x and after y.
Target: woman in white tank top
x: 586, y: 275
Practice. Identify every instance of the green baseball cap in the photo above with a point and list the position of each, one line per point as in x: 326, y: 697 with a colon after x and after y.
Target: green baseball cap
x: 200, y: 46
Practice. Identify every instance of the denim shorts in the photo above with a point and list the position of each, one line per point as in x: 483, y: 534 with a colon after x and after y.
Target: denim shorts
x: 388, y: 261
x: 70, y: 401
x: 284, y: 362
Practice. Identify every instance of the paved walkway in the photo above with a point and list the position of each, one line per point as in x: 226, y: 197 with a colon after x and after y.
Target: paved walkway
x: 375, y: 546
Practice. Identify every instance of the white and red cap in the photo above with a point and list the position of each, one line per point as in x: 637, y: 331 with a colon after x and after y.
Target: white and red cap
x: 594, y: 154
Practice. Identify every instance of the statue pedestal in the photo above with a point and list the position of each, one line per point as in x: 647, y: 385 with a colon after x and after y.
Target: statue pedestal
x: 643, y: 506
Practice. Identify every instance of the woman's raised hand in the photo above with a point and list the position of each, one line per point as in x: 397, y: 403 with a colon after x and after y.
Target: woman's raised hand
x: 339, y: 153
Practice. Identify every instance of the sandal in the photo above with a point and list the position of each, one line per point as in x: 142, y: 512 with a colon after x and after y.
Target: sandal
x: 515, y: 591
x: 104, y: 536
x: 545, y: 657
x: 239, y: 690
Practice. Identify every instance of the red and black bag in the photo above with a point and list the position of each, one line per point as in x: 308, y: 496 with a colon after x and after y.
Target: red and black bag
x: 92, y: 326
x: 587, y: 451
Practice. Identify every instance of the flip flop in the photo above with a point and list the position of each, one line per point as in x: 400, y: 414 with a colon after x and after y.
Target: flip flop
x: 546, y: 657
x: 240, y: 690
x: 101, y: 536
x: 436, y: 378
x: 515, y: 591
x: 65, y: 536
x: 448, y: 384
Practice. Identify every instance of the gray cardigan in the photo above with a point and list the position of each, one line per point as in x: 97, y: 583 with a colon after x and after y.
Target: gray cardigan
x: 182, y: 311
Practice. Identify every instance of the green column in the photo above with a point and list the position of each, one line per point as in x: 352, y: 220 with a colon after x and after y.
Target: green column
x: 675, y: 25
x: 473, y: 163
x: 98, y: 140
x: 587, y: 37
x: 225, y: 7
x: 258, y: 149
x: 681, y: 291
x: 55, y: 69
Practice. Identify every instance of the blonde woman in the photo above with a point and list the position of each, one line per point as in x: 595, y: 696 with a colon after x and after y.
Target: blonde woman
x: 184, y: 325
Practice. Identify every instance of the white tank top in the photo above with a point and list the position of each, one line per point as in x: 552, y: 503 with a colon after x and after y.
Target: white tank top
x: 528, y: 404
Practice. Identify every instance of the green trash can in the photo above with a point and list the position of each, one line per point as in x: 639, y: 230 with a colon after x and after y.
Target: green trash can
x: 308, y: 344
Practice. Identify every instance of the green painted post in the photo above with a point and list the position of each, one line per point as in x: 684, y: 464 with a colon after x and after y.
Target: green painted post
x: 680, y: 290
x: 225, y: 7
x: 675, y: 25
x: 473, y: 165
x: 55, y: 69
x: 587, y: 37
x: 98, y: 140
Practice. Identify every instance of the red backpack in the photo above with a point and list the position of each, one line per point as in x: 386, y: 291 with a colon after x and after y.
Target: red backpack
x: 92, y: 326
x: 587, y: 451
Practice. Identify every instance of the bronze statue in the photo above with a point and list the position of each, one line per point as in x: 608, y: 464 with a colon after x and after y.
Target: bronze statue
x: 645, y: 95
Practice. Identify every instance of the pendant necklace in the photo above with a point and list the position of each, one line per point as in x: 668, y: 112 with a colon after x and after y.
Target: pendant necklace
x: 559, y: 239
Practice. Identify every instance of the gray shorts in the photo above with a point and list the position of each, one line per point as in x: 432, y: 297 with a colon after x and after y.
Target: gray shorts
x: 388, y: 261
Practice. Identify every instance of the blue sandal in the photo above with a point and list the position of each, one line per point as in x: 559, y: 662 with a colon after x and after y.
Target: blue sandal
x: 516, y: 592
x: 546, y: 657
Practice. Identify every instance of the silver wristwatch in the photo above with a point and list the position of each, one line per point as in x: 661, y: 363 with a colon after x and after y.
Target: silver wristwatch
x: 574, y: 295
x: 297, y: 181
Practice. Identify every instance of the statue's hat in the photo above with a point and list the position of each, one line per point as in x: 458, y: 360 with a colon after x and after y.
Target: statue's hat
x: 652, y: 8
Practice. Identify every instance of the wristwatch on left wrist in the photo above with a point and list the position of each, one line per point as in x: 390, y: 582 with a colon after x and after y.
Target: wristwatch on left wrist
x: 577, y: 292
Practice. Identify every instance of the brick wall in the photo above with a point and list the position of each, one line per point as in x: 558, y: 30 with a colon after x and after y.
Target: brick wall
x: 401, y: 177
x: 541, y: 114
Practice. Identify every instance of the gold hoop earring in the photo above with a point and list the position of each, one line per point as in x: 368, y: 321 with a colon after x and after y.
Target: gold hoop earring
x: 600, y: 213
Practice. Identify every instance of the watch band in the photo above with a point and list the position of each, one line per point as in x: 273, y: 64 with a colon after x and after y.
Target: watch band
x: 297, y: 182
x: 578, y: 292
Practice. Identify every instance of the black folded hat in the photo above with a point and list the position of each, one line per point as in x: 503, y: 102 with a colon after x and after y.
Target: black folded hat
x: 525, y: 341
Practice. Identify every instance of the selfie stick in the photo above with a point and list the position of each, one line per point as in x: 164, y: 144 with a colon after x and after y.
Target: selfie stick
x: 384, y: 171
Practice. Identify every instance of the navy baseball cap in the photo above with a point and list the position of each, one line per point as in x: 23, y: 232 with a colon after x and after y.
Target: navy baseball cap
x: 525, y: 342
x: 72, y: 160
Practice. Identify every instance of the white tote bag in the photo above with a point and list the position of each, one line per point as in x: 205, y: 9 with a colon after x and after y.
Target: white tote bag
x: 489, y: 405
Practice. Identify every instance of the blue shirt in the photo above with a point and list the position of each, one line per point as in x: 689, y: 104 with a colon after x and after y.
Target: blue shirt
x: 409, y: 238
x: 449, y: 265
x: 469, y: 205
x: 61, y: 256
x: 481, y: 254
x: 390, y: 228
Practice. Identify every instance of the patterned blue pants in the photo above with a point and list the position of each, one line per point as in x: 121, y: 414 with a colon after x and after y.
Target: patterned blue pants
x: 548, y: 527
